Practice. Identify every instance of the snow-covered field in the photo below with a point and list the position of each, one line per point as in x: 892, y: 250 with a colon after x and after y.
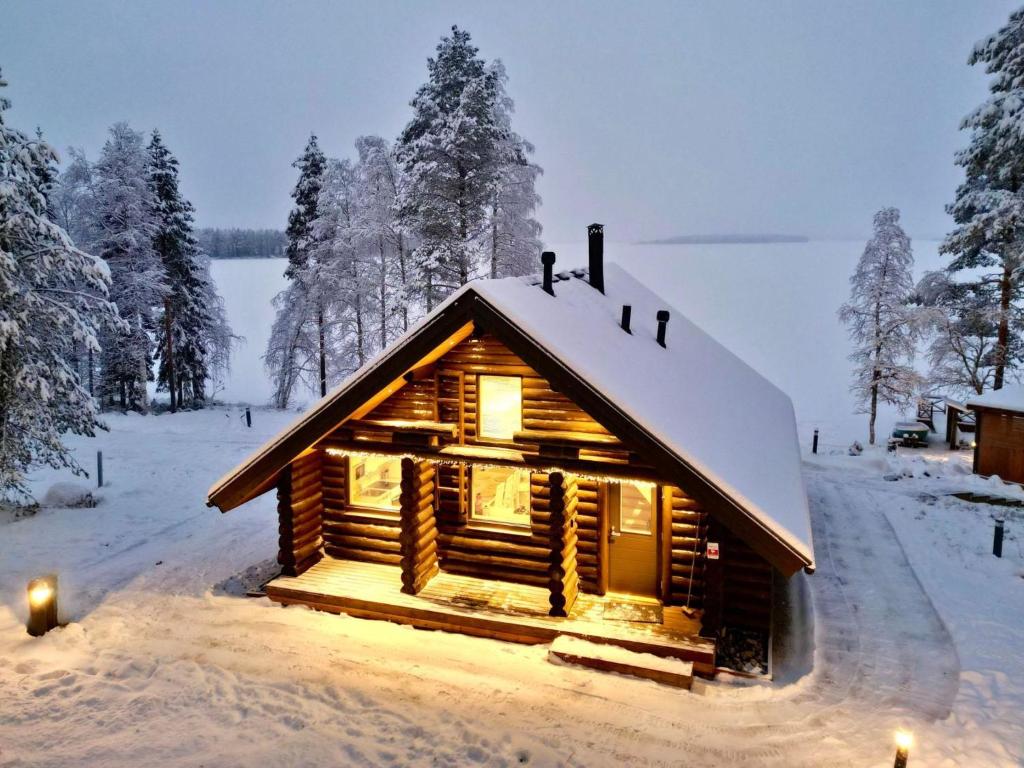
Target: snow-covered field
x: 772, y: 304
x: 917, y: 625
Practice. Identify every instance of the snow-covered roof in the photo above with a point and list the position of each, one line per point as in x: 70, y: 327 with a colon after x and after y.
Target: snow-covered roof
x: 722, y: 417
x: 1006, y: 399
x: 716, y: 415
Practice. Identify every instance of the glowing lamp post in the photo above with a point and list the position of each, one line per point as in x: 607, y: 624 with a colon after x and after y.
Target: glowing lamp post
x: 903, y: 742
x: 42, y: 605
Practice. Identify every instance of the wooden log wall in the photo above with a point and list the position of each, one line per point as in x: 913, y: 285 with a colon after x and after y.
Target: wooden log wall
x: 419, y: 527
x: 588, y: 533
x: 563, y: 580
x: 349, y: 534
x: 543, y: 408
x: 300, y: 514
x: 739, y: 584
x: 491, y: 553
x: 415, y: 400
x: 689, y: 531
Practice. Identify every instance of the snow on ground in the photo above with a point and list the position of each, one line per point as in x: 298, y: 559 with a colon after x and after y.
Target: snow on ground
x: 917, y: 625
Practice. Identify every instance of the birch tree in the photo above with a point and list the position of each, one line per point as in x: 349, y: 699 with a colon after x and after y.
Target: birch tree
x: 881, y: 321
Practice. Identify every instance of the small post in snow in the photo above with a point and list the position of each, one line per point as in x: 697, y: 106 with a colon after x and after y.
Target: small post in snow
x: 814, y: 443
x: 997, y: 539
x: 99, y: 469
x: 248, y: 417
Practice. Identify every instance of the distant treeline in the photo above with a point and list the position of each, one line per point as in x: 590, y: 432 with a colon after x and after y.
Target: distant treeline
x: 242, y: 243
x: 724, y: 239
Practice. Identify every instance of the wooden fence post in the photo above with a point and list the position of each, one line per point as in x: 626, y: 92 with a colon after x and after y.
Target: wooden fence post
x: 563, y: 580
x: 419, y: 525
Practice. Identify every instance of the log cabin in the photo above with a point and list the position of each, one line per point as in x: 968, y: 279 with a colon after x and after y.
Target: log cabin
x: 562, y: 454
x: 999, y: 433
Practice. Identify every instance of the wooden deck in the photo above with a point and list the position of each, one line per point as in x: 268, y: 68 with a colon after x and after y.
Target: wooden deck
x: 495, y: 609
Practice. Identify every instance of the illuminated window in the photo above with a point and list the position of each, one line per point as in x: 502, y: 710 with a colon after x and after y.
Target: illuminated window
x: 375, y: 482
x: 501, y: 406
x: 636, y: 508
x: 501, y: 495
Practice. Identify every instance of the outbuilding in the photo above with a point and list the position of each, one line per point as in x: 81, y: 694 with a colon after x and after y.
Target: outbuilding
x: 999, y: 433
x: 563, y: 454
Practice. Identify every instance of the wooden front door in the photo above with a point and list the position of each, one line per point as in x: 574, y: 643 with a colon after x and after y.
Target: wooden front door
x: 633, y: 539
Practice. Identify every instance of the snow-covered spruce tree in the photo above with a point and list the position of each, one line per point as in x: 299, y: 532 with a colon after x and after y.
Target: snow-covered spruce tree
x: 192, y: 330
x: 294, y: 348
x: 311, y: 167
x: 881, y: 321
x: 514, y: 233
x: 962, y: 318
x: 989, y: 205
x: 449, y: 153
x: 53, y: 297
x: 124, y: 214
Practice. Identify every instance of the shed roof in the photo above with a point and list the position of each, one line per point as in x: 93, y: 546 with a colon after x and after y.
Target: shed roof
x: 729, y: 427
x: 1005, y: 399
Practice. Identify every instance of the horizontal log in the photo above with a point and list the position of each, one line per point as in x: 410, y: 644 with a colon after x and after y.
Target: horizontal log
x: 314, y: 523
x: 493, y: 546
x: 367, y: 555
x: 413, y: 558
x: 468, y: 568
x: 365, y: 530
x: 479, y: 559
x: 299, y: 508
x: 294, y: 555
x: 362, y: 542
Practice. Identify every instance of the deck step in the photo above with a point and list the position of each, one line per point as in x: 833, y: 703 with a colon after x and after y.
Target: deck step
x: 612, y: 658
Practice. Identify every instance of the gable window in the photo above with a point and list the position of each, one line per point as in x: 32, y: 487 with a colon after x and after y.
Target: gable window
x: 500, y: 406
x: 500, y: 495
x: 374, y: 482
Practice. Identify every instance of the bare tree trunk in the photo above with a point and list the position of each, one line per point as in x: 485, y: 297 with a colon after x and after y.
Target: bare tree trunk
x: 360, y: 349
x: 1003, y: 335
x: 169, y: 352
x: 874, y: 412
x: 405, y: 282
x: 494, y: 241
x: 383, y: 290
x: 322, y: 350
x: 91, y: 390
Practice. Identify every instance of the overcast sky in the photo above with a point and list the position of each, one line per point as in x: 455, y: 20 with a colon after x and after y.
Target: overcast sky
x: 656, y: 119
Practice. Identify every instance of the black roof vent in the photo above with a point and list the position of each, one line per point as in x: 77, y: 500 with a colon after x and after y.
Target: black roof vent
x: 662, y: 323
x: 548, y: 260
x: 627, y: 311
x: 595, y: 245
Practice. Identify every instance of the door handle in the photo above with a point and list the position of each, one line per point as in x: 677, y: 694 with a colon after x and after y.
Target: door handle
x: 612, y: 535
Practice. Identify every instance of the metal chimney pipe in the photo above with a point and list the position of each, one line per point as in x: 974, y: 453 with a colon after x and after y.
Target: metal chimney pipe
x: 595, y: 243
x: 662, y: 323
x: 548, y: 260
x: 626, y: 312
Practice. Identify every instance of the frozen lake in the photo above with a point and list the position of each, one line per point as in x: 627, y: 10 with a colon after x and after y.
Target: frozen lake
x: 773, y: 304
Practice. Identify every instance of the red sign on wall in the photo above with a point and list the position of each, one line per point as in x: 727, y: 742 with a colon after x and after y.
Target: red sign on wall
x: 712, y: 550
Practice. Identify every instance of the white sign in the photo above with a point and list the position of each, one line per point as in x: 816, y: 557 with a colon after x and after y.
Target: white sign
x: 712, y: 550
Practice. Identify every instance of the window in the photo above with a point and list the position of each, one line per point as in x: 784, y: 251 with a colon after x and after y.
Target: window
x: 636, y: 508
x: 500, y: 405
x: 500, y: 495
x: 375, y: 482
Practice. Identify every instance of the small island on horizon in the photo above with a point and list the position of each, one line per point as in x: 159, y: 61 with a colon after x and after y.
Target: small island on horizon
x: 726, y: 239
